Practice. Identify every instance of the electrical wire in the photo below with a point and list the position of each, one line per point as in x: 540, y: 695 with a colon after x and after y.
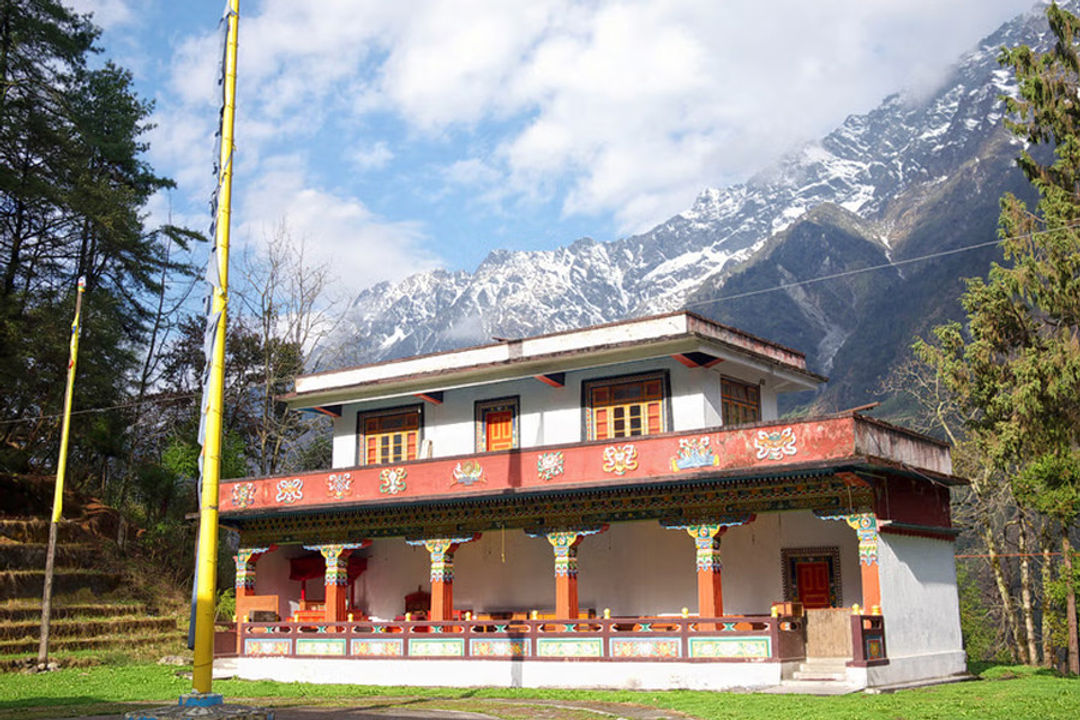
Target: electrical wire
x: 737, y: 296
x: 872, y: 268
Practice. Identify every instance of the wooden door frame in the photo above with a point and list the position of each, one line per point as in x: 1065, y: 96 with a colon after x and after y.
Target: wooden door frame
x: 829, y: 554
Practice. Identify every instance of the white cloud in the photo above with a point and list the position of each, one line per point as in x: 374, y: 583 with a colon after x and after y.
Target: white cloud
x: 606, y: 107
x: 360, y: 247
x: 373, y: 157
x: 107, y: 13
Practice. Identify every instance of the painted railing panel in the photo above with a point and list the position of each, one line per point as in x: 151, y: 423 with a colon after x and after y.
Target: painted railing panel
x: 868, y: 641
x: 758, y: 638
x: 658, y: 458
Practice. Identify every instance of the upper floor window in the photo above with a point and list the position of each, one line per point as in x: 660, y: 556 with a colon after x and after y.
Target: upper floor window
x: 741, y: 401
x: 497, y: 424
x: 626, y: 406
x: 389, y: 436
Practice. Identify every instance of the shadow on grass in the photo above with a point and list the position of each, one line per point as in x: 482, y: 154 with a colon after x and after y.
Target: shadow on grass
x: 41, y: 708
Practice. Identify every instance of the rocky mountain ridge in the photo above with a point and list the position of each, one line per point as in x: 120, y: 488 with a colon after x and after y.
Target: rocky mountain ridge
x: 915, y: 176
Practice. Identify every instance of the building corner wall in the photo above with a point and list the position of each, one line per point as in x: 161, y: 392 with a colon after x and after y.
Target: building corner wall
x: 921, y: 606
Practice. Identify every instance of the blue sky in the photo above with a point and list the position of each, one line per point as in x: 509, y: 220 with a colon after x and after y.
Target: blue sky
x: 403, y: 136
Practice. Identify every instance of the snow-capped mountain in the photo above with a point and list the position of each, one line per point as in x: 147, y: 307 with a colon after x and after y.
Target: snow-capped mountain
x: 890, y: 178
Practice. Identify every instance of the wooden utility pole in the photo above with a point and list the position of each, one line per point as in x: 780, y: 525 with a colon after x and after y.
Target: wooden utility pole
x: 58, y: 493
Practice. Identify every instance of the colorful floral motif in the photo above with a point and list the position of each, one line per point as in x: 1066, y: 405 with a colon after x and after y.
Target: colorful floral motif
x: 874, y: 648
x: 393, y: 481
x: 500, y: 647
x: 437, y: 647
x: 338, y: 486
x: 694, y: 453
x: 752, y: 647
x: 377, y: 648
x: 243, y: 494
x: 576, y: 647
x: 775, y: 445
x: 620, y: 459
x: 468, y: 473
x: 290, y: 491
x: 312, y: 646
x: 549, y: 465
x: 645, y: 647
x: 253, y: 646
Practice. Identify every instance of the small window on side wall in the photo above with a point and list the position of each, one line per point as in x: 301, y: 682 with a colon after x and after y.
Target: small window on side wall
x: 497, y: 424
x: 626, y: 406
x: 741, y: 401
x: 389, y: 436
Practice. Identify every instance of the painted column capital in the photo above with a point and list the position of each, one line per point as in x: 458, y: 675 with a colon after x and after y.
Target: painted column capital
x: 866, y: 528
x: 707, y: 535
x: 245, y: 559
x: 336, y: 556
x: 442, y: 552
x: 564, y: 544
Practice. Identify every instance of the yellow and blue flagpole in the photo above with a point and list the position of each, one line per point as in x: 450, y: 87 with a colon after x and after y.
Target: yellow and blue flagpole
x: 206, y: 570
x: 61, y: 470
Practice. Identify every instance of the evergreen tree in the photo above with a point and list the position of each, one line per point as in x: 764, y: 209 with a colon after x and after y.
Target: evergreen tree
x: 72, y: 187
x: 1017, y: 363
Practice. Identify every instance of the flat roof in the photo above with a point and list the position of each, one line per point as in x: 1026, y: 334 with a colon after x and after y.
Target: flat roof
x: 676, y: 333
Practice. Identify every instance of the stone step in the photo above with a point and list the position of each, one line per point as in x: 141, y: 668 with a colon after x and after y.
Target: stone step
x: 31, y: 556
x: 32, y: 611
x: 36, y: 530
x: 818, y: 676
x: 104, y: 642
x: 87, y: 628
x: 30, y: 583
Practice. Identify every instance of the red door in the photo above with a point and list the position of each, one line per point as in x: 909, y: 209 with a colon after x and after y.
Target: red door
x: 499, y: 425
x: 812, y: 580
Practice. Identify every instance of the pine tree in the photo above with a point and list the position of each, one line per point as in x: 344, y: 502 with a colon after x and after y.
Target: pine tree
x: 1017, y: 363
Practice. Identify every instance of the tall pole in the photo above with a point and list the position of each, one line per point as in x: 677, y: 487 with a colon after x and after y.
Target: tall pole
x: 206, y: 571
x: 58, y: 493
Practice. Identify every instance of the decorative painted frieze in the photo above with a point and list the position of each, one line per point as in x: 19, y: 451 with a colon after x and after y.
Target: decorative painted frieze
x: 290, y: 490
x: 549, y: 465
x: 338, y: 485
x: 243, y: 495
x: 775, y: 445
x: 620, y: 459
x: 392, y: 480
x: 468, y: 473
x: 694, y: 452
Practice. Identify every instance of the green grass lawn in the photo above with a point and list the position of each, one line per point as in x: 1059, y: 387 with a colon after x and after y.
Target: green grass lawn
x: 1003, y: 692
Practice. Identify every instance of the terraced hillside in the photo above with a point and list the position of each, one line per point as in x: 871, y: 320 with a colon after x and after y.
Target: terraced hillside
x: 100, y: 604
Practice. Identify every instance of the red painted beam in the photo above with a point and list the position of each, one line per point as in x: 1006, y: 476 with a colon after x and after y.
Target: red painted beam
x: 553, y: 379
x: 435, y: 398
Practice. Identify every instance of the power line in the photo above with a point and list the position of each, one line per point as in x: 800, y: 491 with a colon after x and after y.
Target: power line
x: 749, y: 293
x: 882, y: 266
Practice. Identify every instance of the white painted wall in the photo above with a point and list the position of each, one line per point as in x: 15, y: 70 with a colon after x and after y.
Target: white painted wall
x: 635, y: 568
x: 552, y: 416
x: 918, y: 595
x: 272, y: 578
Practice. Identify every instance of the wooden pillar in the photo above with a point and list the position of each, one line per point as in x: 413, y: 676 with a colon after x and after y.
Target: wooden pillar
x: 866, y: 527
x: 565, y: 543
x: 710, y: 591
x: 442, y: 552
x: 245, y: 569
x: 706, y: 537
x: 336, y: 576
